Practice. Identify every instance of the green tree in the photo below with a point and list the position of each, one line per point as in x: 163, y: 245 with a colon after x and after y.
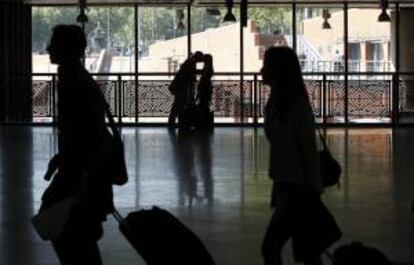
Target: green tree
x: 272, y: 19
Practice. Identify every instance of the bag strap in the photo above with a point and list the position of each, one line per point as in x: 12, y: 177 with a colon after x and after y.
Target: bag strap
x: 118, y: 216
x: 109, y: 115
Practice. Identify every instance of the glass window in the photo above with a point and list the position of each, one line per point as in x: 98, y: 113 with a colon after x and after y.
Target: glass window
x: 369, y: 94
x: 372, y: 37
x: 162, y: 38
x: 43, y: 21
x: 320, y: 38
x: 267, y: 26
x: 110, y: 35
x: 210, y: 34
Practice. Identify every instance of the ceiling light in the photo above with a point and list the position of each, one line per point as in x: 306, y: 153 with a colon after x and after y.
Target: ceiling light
x: 384, y: 17
x: 82, y: 17
x: 326, y: 25
x: 229, y: 17
x: 326, y: 15
x: 180, y: 19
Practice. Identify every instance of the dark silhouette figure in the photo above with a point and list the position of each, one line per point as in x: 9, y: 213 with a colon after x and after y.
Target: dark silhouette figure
x: 81, y: 124
x: 183, y: 87
x: 205, y: 87
x: 205, y: 91
x: 294, y: 164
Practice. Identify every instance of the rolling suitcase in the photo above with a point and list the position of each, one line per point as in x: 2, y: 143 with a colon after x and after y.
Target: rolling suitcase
x: 161, y: 239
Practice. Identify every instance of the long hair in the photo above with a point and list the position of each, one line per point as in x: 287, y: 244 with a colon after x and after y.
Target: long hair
x: 288, y: 85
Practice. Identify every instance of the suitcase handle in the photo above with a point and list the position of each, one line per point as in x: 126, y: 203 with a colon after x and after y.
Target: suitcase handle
x: 118, y: 216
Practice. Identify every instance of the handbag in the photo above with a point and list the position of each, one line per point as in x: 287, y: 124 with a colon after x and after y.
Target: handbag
x: 330, y: 168
x: 50, y: 222
x: 113, y: 158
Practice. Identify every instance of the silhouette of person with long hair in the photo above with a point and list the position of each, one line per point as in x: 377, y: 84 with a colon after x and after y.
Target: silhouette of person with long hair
x: 81, y: 130
x: 205, y: 87
x: 182, y: 87
x: 205, y: 91
x: 294, y: 161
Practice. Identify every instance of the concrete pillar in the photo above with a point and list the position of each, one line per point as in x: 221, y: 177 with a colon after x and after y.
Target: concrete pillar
x: 363, y: 65
x: 15, y: 62
x: 406, y: 54
x: 386, y: 56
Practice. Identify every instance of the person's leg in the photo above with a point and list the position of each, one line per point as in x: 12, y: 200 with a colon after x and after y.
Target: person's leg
x: 77, y: 252
x: 275, y: 238
x: 77, y: 245
x: 277, y: 233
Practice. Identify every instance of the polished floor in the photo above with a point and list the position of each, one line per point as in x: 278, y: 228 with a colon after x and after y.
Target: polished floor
x: 216, y: 184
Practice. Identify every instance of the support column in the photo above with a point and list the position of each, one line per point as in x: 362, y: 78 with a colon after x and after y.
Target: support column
x: 363, y: 65
x: 15, y: 62
x: 406, y: 56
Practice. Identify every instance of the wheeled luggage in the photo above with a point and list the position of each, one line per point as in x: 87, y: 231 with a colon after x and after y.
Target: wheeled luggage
x: 161, y: 239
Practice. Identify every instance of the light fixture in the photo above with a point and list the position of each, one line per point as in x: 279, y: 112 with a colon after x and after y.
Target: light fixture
x: 82, y: 17
x: 229, y: 17
x: 384, y: 17
x: 180, y: 19
x: 326, y: 15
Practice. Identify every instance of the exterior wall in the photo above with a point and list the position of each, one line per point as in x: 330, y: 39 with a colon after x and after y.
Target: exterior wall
x: 362, y: 27
x: 222, y: 43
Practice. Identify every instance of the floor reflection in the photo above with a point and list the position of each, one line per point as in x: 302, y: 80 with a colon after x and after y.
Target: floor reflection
x: 16, y: 204
x: 191, y: 152
x: 217, y: 184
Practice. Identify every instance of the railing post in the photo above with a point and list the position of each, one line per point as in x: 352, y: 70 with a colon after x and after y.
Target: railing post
x: 120, y: 99
x: 395, y: 102
x: 53, y: 99
x: 255, y: 119
x: 324, y: 100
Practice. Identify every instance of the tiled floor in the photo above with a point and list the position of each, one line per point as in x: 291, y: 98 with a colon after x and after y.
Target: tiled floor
x: 217, y: 184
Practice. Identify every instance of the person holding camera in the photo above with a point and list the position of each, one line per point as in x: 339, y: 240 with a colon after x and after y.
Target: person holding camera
x: 182, y: 87
x: 205, y: 91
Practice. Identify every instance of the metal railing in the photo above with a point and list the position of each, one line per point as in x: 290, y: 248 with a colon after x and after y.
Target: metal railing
x: 370, y: 66
x: 358, y: 98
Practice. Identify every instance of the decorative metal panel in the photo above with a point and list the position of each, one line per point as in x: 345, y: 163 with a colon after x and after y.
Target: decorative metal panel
x: 366, y: 98
x: 42, y: 98
x: 154, y: 98
x: 313, y: 87
x: 128, y: 99
x: 226, y: 100
x: 108, y: 88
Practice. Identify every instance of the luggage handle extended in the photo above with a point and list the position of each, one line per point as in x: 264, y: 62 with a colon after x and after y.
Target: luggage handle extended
x: 118, y: 216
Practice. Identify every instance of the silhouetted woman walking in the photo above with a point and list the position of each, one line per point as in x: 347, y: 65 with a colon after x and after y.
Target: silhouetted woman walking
x: 294, y: 162
x: 81, y: 124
